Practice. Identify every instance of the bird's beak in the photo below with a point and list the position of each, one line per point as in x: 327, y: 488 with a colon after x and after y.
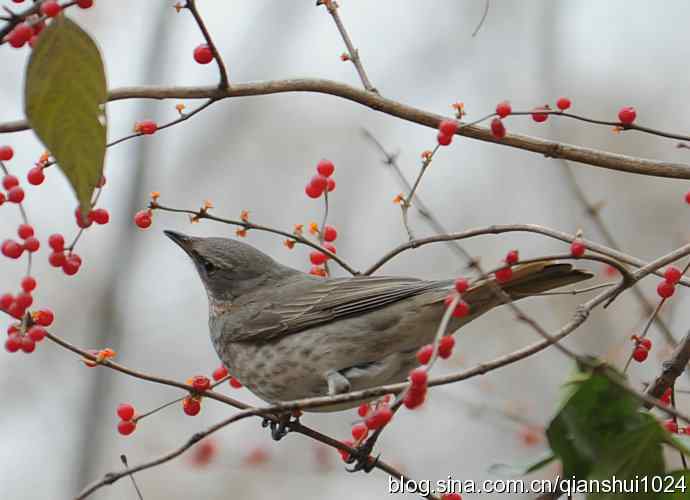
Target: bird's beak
x: 184, y: 241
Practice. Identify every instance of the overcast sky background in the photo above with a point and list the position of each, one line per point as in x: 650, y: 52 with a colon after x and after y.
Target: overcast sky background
x: 138, y: 293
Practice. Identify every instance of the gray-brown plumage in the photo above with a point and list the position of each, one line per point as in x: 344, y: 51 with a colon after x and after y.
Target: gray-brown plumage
x: 289, y: 335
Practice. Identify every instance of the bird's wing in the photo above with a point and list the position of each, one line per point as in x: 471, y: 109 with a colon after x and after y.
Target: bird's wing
x: 306, y: 304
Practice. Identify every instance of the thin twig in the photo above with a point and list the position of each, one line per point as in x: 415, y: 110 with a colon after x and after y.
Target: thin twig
x: 481, y: 21
x: 224, y: 81
x: 391, y: 107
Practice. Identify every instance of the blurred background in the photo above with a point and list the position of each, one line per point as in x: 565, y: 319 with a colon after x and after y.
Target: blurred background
x: 138, y: 294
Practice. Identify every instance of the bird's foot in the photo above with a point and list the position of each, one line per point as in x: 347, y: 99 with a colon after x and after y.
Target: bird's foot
x: 362, y: 460
x: 280, y: 425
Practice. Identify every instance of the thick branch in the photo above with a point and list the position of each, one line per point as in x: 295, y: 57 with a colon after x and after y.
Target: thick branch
x: 374, y: 101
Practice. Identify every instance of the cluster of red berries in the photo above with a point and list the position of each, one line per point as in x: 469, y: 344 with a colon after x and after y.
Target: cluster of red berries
x: 221, y: 372
x: 373, y: 419
x: 322, y: 182
x: 642, y: 348
x: 446, y: 131
x: 127, y: 423
x: 70, y: 262
x: 14, y: 249
x: 28, y: 31
x: 14, y: 193
x: 19, y: 338
x: 462, y: 308
x: 98, y: 215
x: 505, y: 273
x: 203, y: 54
x: 445, y: 350
x: 416, y: 393
x: 667, y: 287
x: 318, y: 258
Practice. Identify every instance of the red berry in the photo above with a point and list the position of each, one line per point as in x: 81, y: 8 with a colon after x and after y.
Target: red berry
x: 563, y: 103
x: 424, y: 354
x: 504, y: 274
x: 577, y: 248
x: 20, y: 35
x: 126, y: 427
x: 379, y: 418
x: 461, y: 285
x: 36, y: 176
x: 147, y: 127
x: 191, y: 406
x: 24, y: 300
x: 2, y: 198
x: 203, y: 54
x: 313, y: 191
x: 640, y: 354
x: 32, y: 244
x: 12, y: 249
x: 317, y: 271
x: 37, y: 333
x: 100, y: 216
x: 235, y: 384
x: 646, y: 343
x: 512, y: 257
x: 143, y: 219
x: 28, y: 284
x: 9, y: 181
x: 671, y: 426
x: 325, y: 168
x: 344, y: 454
x: 220, y: 373
x: 71, y: 265
x: 539, y: 116
x: 665, y: 289
x: 317, y: 258
x: 461, y: 310
x: 445, y: 347
x: 672, y: 274
x: 503, y: 109
x: 627, y: 115
x: 414, y: 399
x: 319, y: 182
x: 419, y: 377
x: 448, y: 127
x: 82, y: 221
x: 125, y: 411
x: 201, y: 383
x: 363, y: 410
x: 85, y: 4
x: 329, y: 233
x: 444, y: 139
x: 359, y: 431
x: 45, y: 317
x: 6, y: 300
x: 331, y: 185
x: 50, y: 8
x: 28, y: 345
x: 57, y: 259
x: 13, y: 343
x: 330, y: 247
x: 687, y: 198
x: 498, y: 130
x: 25, y: 231
x: 451, y: 496
x: 56, y: 242
x: 6, y: 153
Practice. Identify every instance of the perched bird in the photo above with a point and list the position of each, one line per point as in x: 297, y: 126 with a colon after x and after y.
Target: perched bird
x: 288, y: 335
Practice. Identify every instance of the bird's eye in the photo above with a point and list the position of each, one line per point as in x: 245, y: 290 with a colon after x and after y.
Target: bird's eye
x: 209, y: 267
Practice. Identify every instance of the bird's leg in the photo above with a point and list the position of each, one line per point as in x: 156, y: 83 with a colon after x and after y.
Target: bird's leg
x: 362, y: 459
x: 280, y: 424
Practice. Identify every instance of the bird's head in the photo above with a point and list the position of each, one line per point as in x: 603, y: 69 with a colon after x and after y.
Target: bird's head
x: 228, y: 268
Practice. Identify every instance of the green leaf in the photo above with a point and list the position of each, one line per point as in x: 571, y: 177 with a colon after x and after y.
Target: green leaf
x: 632, y: 455
x: 596, y: 412
x: 64, y: 95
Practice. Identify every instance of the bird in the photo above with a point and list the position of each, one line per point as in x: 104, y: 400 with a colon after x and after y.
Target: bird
x: 288, y: 335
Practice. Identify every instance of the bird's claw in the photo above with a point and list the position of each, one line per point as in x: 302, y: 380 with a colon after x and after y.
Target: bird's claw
x: 280, y: 426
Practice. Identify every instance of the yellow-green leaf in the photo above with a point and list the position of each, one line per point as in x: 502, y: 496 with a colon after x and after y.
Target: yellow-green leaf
x: 64, y: 95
